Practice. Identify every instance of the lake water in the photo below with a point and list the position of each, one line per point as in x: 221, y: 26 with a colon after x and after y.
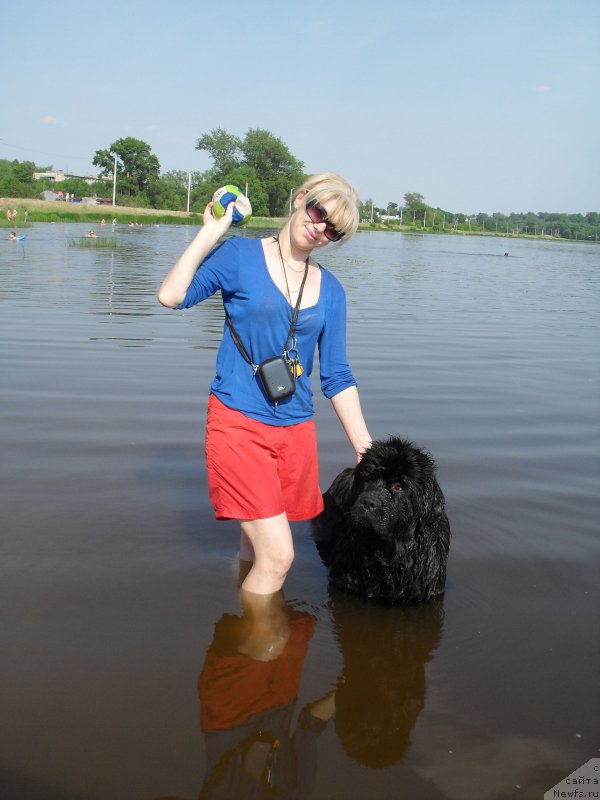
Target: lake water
x: 114, y: 573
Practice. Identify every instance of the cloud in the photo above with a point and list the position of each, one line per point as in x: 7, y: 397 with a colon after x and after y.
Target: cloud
x: 48, y: 120
x: 541, y: 89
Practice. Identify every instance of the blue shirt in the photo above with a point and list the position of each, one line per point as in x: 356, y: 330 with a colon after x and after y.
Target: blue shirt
x: 262, y: 315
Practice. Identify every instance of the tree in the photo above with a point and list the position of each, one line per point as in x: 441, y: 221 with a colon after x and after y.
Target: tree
x: 412, y: 199
x: 368, y: 212
x: 274, y: 171
x: 279, y: 171
x: 137, y: 166
x: 415, y: 204
x: 16, y: 178
x: 223, y: 148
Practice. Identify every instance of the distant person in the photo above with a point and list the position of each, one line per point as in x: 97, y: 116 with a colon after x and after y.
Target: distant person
x: 92, y: 235
x: 505, y: 254
x: 114, y: 222
x: 12, y: 236
x: 26, y: 215
x: 102, y: 223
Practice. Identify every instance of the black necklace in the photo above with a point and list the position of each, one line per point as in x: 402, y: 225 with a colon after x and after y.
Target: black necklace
x: 289, y: 296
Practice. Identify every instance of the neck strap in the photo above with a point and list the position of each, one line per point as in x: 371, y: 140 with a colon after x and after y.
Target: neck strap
x: 235, y: 336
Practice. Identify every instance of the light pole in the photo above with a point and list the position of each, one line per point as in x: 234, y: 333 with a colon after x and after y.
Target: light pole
x: 115, y: 181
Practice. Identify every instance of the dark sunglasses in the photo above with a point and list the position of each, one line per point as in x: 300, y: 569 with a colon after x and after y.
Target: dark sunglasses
x: 317, y: 214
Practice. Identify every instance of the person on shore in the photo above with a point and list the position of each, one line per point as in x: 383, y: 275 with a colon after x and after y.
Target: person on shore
x: 261, y: 456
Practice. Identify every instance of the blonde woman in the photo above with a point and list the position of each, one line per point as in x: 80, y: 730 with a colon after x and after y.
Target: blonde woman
x: 261, y: 456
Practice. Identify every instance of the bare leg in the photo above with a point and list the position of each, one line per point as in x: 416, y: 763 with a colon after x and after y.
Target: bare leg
x: 246, y: 557
x: 246, y: 549
x: 271, y: 540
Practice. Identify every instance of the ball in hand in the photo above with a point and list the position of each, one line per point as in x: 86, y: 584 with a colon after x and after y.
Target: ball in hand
x: 242, y: 210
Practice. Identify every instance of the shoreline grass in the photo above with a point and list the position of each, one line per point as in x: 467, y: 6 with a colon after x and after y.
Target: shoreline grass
x: 94, y: 243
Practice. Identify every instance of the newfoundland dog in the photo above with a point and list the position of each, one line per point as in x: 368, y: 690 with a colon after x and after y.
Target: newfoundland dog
x: 383, y: 533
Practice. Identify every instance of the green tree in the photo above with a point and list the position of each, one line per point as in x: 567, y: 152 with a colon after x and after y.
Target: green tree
x: 412, y: 199
x: 137, y: 166
x: 367, y: 211
x: 170, y: 191
x: 16, y: 179
x: 279, y: 171
x: 415, y: 203
x: 274, y: 171
x: 223, y: 148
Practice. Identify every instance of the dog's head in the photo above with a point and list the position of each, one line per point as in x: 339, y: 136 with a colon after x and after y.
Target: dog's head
x: 393, y: 488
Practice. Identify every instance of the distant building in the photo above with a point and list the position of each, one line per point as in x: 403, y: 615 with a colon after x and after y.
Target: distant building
x: 58, y: 175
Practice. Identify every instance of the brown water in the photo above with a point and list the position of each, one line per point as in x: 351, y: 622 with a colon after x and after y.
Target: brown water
x: 114, y: 573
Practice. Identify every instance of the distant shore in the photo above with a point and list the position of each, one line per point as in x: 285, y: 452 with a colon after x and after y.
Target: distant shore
x: 61, y: 211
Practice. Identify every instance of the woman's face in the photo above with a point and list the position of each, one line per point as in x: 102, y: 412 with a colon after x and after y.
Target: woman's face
x: 308, y: 234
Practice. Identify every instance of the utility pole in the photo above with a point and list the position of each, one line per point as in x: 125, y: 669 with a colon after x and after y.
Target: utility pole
x: 115, y: 181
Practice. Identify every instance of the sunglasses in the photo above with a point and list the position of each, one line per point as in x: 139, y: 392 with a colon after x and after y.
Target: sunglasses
x: 317, y: 214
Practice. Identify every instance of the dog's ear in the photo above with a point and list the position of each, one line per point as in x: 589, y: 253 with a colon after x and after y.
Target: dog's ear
x: 341, y: 489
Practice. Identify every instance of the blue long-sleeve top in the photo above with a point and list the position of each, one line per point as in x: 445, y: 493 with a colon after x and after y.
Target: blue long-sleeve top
x: 262, y: 315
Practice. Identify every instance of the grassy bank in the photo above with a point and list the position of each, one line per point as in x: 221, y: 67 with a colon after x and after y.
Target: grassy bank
x: 57, y: 211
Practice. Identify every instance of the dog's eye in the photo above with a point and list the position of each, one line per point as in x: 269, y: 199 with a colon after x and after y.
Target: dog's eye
x: 396, y: 487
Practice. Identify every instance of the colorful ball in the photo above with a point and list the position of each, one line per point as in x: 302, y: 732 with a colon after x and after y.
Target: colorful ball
x: 242, y: 210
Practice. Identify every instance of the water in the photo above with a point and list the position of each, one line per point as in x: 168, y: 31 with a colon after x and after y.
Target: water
x: 114, y: 574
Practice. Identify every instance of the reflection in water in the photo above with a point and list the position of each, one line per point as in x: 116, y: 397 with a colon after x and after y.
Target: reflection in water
x: 248, y: 691
x: 122, y: 283
x: 382, y: 689
x: 250, y: 682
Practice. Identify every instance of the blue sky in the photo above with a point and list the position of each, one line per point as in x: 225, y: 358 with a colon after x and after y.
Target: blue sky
x: 479, y: 106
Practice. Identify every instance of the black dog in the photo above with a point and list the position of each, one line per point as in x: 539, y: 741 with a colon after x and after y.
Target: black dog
x: 384, y: 534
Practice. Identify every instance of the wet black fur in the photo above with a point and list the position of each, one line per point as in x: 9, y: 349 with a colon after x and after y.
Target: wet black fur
x: 384, y: 533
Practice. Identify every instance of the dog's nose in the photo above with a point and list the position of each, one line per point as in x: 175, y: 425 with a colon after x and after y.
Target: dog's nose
x: 369, y: 502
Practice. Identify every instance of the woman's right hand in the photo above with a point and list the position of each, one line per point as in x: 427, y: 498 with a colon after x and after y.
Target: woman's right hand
x: 175, y: 285
x: 222, y: 224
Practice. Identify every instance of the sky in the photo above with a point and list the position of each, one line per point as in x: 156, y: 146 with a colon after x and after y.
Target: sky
x: 478, y: 106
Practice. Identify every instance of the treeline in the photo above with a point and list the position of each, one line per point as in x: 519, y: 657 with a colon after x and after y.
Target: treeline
x: 259, y: 163
x: 262, y: 165
x: 416, y: 215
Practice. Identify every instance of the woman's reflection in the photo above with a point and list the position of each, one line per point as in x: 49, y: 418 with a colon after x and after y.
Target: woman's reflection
x: 248, y: 690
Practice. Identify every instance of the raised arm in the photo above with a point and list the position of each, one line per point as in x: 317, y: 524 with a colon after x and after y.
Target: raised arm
x: 175, y: 285
x: 347, y: 406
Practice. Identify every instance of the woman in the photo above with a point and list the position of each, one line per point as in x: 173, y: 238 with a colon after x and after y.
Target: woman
x: 261, y: 457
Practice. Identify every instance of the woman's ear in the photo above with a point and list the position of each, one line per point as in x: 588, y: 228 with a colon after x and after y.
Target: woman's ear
x: 299, y: 198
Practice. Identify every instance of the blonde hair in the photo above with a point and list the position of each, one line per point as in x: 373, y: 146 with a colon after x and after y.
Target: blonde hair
x: 337, y: 195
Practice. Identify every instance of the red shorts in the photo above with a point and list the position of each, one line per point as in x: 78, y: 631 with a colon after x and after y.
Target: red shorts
x: 256, y: 471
